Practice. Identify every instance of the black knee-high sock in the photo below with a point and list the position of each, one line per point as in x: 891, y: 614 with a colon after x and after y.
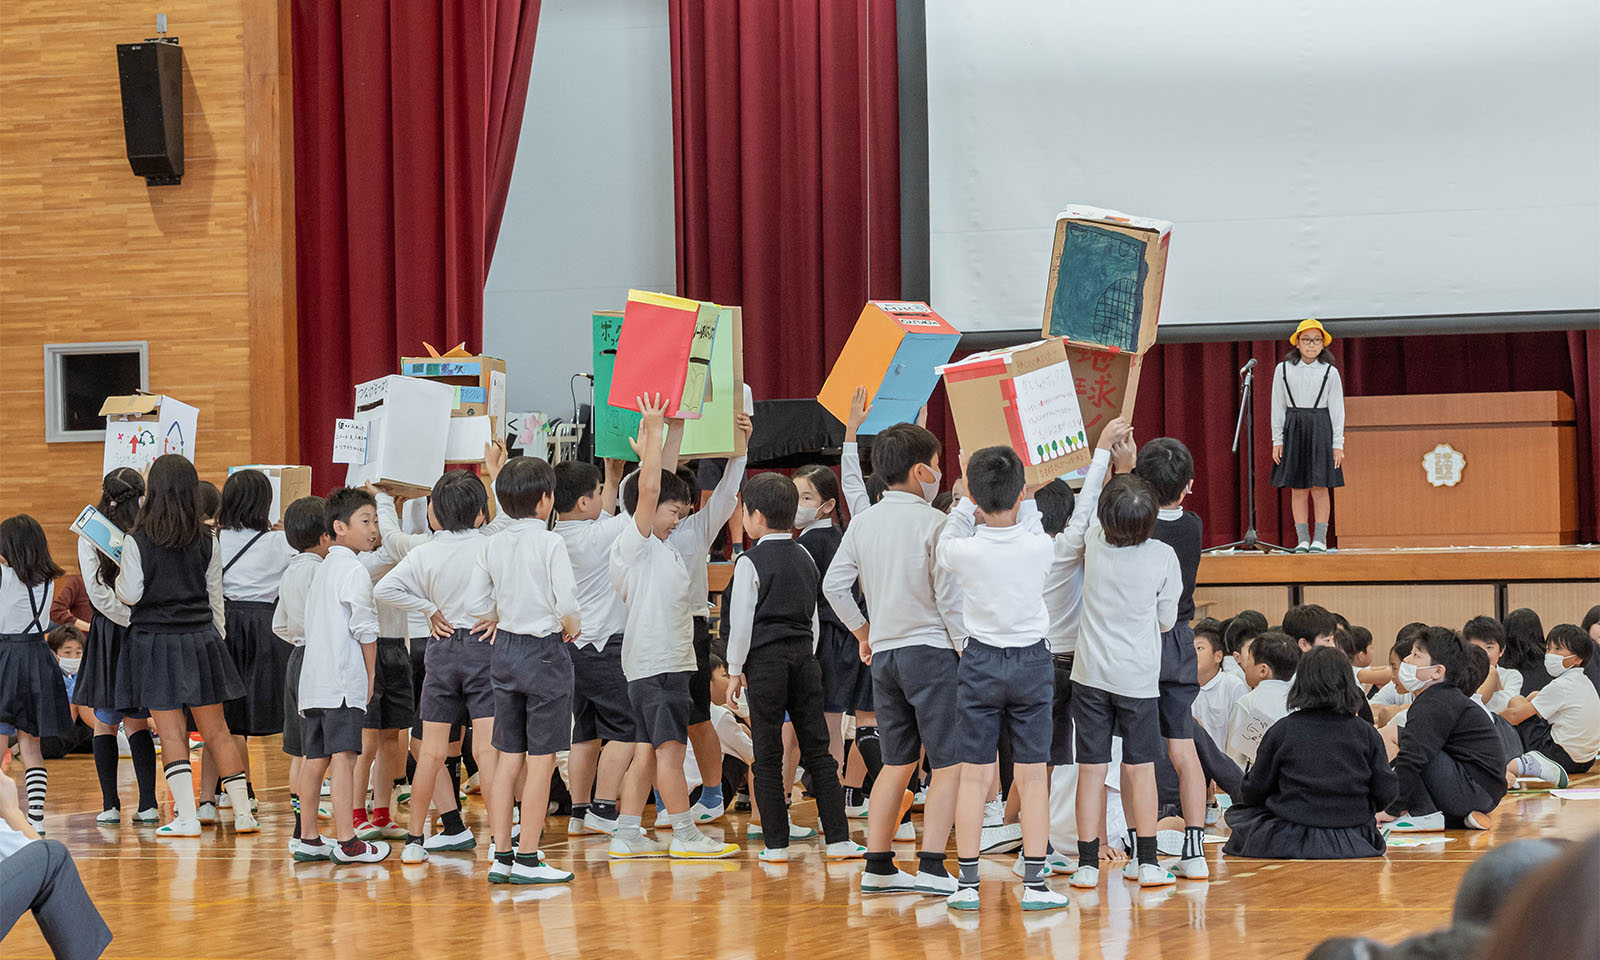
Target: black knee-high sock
x: 452, y: 766
x: 38, y: 784
x: 105, y: 768
x: 411, y: 767
x: 142, y: 746
x: 871, y: 752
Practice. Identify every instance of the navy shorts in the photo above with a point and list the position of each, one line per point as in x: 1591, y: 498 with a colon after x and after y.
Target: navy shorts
x: 846, y: 681
x: 332, y: 730
x: 1098, y: 714
x: 393, y: 705
x: 601, y: 709
x: 1180, y: 683
x: 1061, y: 711
x: 293, y: 723
x: 456, y: 679
x: 700, y: 681
x: 914, y: 696
x: 661, y: 707
x: 532, y: 694
x: 1009, y: 687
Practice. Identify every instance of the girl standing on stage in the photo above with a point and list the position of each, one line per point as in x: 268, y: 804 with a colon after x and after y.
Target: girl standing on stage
x: 33, y: 697
x: 120, y: 491
x: 173, y: 656
x: 1308, y: 431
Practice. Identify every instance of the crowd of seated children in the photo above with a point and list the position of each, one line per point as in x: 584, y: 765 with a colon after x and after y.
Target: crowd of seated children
x: 1559, y: 725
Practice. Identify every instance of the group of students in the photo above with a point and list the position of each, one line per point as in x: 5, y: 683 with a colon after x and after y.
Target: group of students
x: 1048, y: 627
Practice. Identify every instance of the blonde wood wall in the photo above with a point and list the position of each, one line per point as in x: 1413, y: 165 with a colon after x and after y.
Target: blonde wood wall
x: 202, y: 271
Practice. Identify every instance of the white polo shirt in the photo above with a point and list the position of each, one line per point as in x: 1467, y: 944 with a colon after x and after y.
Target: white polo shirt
x: 589, y: 545
x: 526, y: 579
x: 289, y: 620
x: 1572, y: 706
x: 650, y: 577
x: 340, y: 617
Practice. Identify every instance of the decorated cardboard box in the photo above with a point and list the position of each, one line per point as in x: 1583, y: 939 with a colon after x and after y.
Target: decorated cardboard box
x: 893, y: 351
x: 664, y: 347
x: 1107, y: 384
x: 713, y: 434
x: 144, y: 426
x: 1106, y: 274
x: 398, y: 436
x: 1021, y: 397
x: 477, y: 384
x: 289, y: 482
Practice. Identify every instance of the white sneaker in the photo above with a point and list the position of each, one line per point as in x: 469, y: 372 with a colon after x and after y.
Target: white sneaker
x: 773, y: 855
x: 994, y: 812
x: 897, y: 882
x: 498, y: 872
x: 370, y: 853
x: 113, y: 815
x: 1058, y: 863
x: 965, y: 898
x: 1169, y: 843
x: 1317, y: 546
x: 522, y: 873
x: 1085, y: 878
x: 905, y: 833
x: 844, y: 850
x: 594, y: 823
x: 1548, y: 770
x: 919, y: 799
x: 701, y: 848
x: 1477, y: 821
x: 179, y: 828
x: 1045, y: 899
x: 855, y: 811
x: 1424, y: 824
x: 1194, y: 868
x: 223, y: 801
x: 935, y: 886
x: 1130, y: 869
x: 662, y: 818
x: 1020, y: 867
x: 147, y: 817
x: 440, y: 842
x: 1155, y: 875
x: 1001, y: 839
x: 206, y: 814
x: 304, y: 853
x: 244, y: 822
x: 414, y: 853
x: 704, y: 814
x: 640, y: 847
x: 798, y: 832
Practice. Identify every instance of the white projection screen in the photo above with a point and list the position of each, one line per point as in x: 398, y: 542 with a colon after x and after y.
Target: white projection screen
x: 1359, y: 159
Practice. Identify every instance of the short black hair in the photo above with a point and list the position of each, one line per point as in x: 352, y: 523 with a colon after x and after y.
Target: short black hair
x: 1474, y: 668
x: 305, y: 522
x: 344, y: 502
x: 691, y: 479
x: 1525, y: 640
x: 875, y: 488
x: 775, y: 497
x: 61, y: 635
x: 1353, y: 641
x: 899, y: 448
x: 27, y: 551
x: 673, y: 490
x: 522, y: 485
x: 1571, y: 639
x: 1127, y: 510
x: 1402, y: 645
x: 1167, y: 464
x: 1278, y: 651
x: 1409, y: 633
x: 575, y: 479
x: 1589, y: 619
x: 995, y: 478
x: 1308, y: 621
x: 1444, y: 647
x: 717, y: 663
x: 1324, y: 681
x: 944, y: 500
x: 210, y: 499
x: 1056, y: 502
x: 1485, y: 630
x: 458, y: 499
x: 1243, y: 627
x: 246, y: 501
x: 1211, y: 629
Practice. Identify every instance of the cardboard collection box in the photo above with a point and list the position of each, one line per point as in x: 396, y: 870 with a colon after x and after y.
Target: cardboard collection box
x: 399, y: 435
x: 478, y: 397
x: 289, y: 482
x: 144, y: 426
x: 1106, y: 383
x: 1107, y: 270
x: 1021, y: 397
x: 893, y: 352
x: 664, y: 346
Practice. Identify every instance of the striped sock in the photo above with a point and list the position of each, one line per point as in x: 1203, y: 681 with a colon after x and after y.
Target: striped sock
x: 238, y: 790
x: 180, y: 781
x: 1033, y: 872
x: 969, y: 873
x: 1194, y: 842
x: 38, y: 783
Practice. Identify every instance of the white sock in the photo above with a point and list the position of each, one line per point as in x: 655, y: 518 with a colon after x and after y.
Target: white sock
x: 238, y: 789
x: 181, y: 782
x: 683, y: 827
x: 629, y: 826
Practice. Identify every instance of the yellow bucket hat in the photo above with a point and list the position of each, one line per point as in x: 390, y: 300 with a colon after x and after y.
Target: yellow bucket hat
x: 1327, y: 338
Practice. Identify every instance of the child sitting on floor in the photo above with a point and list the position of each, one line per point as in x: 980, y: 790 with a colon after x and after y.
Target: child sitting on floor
x: 1320, y: 775
x: 1502, y: 683
x: 1219, y: 690
x: 1269, y: 662
x: 1559, y: 725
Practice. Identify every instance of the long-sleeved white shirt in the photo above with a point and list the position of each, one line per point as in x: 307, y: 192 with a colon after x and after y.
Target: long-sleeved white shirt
x: 103, y: 598
x: 397, y: 543
x: 289, y: 619
x: 393, y: 622
x: 651, y: 578
x: 891, y: 549
x: 255, y: 575
x: 339, y: 617
x: 18, y: 603
x: 853, y: 480
x: 1063, y: 587
x: 1214, y: 704
x: 1252, y: 715
x: 130, y: 581
x: 692, y: 537
x: 1304, y: 380
x: 589, y: 543
x: 439, y: 575
x: 525, y: 577
x: 742, y: 609
x: 1002, y: 573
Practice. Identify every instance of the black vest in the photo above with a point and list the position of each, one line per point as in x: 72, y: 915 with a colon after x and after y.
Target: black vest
x: 787, y: 596
x: 175, y: 597
x: 1183, y: 536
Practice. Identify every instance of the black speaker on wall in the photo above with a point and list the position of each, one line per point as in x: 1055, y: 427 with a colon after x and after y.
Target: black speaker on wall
x: 152, y: 108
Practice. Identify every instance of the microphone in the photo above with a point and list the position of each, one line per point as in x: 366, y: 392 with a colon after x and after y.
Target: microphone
x: 1247, y: 367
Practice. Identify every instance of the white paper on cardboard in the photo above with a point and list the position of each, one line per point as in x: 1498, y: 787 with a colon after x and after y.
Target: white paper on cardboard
x: 372, y: 392
x: 1076, y: 211
x: 466, y: 439
x: 411, y: 454
x: 93, y: 526
x: 137, y: 443
x: 1047, y: 408
x: 497, y: 396
x: 351, y: 439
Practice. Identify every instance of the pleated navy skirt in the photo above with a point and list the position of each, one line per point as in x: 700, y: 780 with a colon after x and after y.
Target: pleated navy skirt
x: 262, y: 661
x: 1307, y: 451
x: 33, y: 694
x: 1259, y: 833
x: 97, y: 677
x: 171, y: 670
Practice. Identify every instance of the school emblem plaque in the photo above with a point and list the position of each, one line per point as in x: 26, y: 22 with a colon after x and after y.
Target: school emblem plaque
x: 1444, y: 464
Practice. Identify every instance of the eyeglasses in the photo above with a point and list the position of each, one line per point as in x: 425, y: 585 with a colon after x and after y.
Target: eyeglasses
x: 1311, y: 340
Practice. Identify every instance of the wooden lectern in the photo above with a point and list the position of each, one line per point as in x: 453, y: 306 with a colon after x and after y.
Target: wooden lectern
x: 1515, y: 481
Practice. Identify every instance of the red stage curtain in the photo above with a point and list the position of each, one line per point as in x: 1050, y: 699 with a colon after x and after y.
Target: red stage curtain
x: 786, y: 166
x: 406, y: 119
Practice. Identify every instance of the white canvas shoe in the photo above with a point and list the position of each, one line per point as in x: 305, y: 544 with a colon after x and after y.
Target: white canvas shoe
x: 1044, y: 899
x: 638, y: 847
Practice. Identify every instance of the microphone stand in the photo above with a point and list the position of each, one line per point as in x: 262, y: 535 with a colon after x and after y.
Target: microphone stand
x: 1246, y: 425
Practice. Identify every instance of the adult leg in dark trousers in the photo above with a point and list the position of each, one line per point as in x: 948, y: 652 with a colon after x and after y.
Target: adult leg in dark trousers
x: 788, y: 678
x: 42, y: 877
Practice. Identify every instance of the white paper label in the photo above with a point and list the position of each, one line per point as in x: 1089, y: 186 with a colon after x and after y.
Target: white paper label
x: 371, y: 392
x: 350, y: 440
x: 1047, y: 407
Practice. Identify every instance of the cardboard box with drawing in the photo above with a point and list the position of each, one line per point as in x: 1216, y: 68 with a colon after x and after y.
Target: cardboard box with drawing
x: 1106, y: 383
x: 664, y: 347
x: 478, y: 397
x: 893, y: 352
x: 1107, y: 270
x: 144, y: 426
x: 1020, y: 397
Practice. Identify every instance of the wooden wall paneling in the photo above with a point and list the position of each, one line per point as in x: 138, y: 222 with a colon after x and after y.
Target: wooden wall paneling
x: 1271, y: 601
x: 1385, y: 608
x: 1554, y: 602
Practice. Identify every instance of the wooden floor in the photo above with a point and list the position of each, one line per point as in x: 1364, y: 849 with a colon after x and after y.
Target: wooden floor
x: 226, y: 896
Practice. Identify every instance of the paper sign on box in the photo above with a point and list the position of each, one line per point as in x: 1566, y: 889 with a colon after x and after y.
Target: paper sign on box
x: 289, y: 482
x: 350, y: 440
x: 465, y: 439
x: 142, y: 427
x: 1107, y: 270
x: 1020, y: 397
x: 714, y: 434
x: 893, y: 352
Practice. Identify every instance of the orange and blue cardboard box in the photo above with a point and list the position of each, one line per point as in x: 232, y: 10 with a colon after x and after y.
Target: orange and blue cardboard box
x: 893, y: 351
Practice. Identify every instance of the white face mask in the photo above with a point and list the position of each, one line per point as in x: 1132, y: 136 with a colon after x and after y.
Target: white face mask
x: 1553, y: 664
x: 930, y: 488
x: 804, y: 515
x: 1411, y: 679
x: 69, y: 665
